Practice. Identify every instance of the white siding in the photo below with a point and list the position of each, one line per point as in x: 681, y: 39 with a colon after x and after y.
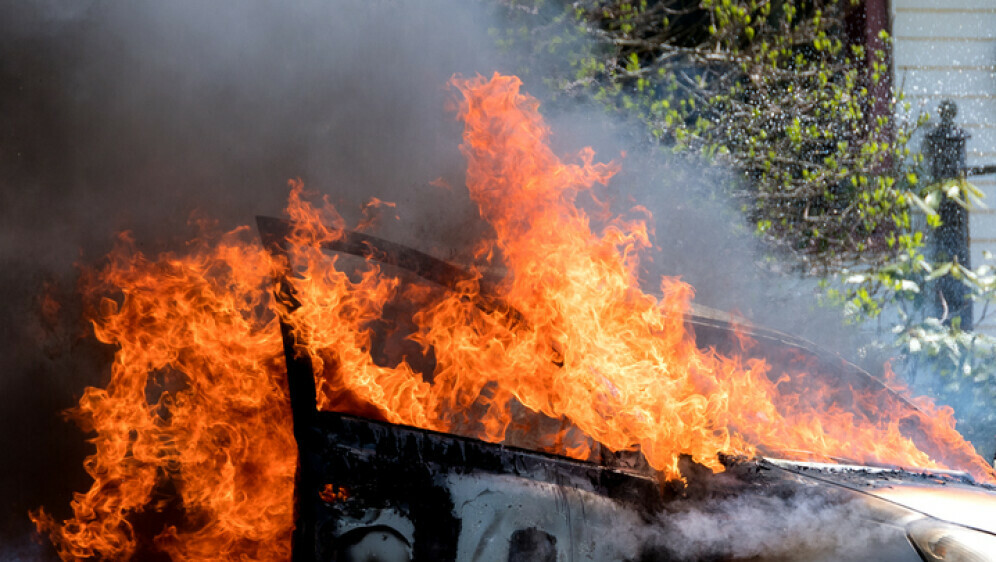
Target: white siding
x: 946, y: 49
x: 933, y: 82
x: 941, y: 6
x: 947, y: 25
x: 942, y: 53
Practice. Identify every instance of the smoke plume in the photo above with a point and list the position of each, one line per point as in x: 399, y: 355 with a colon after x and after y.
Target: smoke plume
x: 139, y: 116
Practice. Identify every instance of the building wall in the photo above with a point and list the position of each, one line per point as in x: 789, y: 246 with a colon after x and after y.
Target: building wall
x: 946, y: 49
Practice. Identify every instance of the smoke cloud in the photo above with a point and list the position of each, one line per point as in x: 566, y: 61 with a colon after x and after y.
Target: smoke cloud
x: 137, y: 116
x: 805, y: 526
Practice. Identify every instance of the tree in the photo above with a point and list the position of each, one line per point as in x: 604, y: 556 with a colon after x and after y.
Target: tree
x: 770, y: 88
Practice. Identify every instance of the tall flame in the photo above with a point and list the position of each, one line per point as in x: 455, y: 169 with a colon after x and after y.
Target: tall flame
x: 196, y: 402
x: 193, y: 435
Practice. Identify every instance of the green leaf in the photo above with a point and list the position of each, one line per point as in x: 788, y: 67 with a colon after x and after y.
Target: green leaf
x: 926, y: 208
x: 907, y: 285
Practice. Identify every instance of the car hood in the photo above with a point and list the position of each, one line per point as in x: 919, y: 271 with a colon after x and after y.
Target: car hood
x: 947, y: 495
x: 964, y: 505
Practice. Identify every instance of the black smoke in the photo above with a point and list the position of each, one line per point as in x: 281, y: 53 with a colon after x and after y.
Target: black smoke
x: 136, y: 116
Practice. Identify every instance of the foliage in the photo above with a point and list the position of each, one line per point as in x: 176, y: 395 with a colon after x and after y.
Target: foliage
x: 939, y: 357
x: 770, y: 88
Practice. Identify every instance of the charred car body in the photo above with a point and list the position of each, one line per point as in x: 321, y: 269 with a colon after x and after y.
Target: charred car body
x: 370, y: 490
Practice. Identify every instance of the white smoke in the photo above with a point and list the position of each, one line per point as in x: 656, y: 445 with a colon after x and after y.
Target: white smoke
x: 801, y: 526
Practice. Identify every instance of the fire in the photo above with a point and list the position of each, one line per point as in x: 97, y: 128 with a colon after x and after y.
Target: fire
x: 193, y: 433
x: 195, y: 410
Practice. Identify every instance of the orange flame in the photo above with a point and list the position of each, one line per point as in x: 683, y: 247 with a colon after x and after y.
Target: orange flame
x: 196, y: 399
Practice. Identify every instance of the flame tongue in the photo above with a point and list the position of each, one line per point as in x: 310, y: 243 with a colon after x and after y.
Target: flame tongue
x: 195, y: 403
x: 196, y: 397
x: 579, y: 289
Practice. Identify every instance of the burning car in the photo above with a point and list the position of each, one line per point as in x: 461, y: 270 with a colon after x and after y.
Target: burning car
x: 555, y: 411
x: 370, y: 490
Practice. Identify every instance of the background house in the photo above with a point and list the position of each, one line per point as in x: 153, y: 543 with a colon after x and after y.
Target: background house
x: 946, y: 49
